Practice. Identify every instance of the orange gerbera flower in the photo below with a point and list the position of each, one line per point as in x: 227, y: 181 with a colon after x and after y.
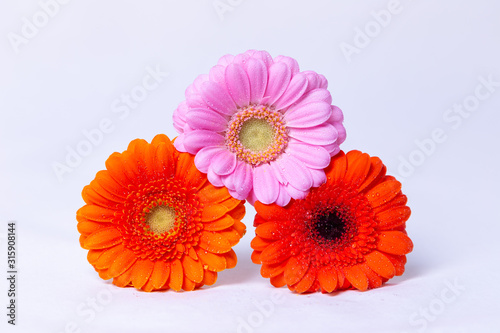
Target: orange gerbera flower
x: 349, y: 232
x: 153, y: 221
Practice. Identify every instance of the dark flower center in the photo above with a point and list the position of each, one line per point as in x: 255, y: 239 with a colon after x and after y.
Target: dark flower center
x: 330, y: 226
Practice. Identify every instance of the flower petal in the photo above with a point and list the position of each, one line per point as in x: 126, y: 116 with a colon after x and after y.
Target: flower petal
x: 383, y: 192
x: 257, y: 76
x: 217, y: 98
x: 394, y: 217
x: 308, y: 115
x: 214, y: 262
x: 356, y: 277
x: 315, y: 157
x: 141, y: 272
x: 295, y: 172
x: 223, y: 163
x: 205, y: 119
x: 126, y: 259
x: 394, y: 242
x: 276, y: 252
x: 265, y: 185
x: 290, y: 62
x: 193, y: 269
x: 204, y: 157
x: 160, y: 274
x: 198, y: 139
x: 321, y: 135
x: 176, y: 275
x: 327, y: 277
x: 103, y: 238
x: 380, y: 264
x: 243, y: 179
x: 238, y: 84
x: 278, y: 81
x: 293, y: 93
x: 214, y: 242
x: 295, y: 270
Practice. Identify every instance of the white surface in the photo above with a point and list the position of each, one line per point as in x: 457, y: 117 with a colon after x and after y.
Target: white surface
x: 394, y: 91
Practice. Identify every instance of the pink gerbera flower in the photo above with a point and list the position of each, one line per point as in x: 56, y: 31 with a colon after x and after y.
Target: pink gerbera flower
x: 260, y: 127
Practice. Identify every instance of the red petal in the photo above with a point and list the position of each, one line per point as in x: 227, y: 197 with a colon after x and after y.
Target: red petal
x: 394, y: 242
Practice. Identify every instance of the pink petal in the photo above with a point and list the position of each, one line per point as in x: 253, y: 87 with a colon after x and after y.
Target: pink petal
x: 278, y: 81
x: 225, y: 60
x: 294, y: 193
x: 312, y: 79
x: 217, y: 97
x: 217, y: 74
x: 315, y: 157
x: 198, y: 82
x: 332, y: 149
x: 179, y: 143
x: 323, y: 82
x: 203, y: 158
x: 264, y: 56
x: 237, y: 84
x: 316, y: 95
x: 257, y: 76
x: 206, y: 119
x: 251, y: 198
x: 196, y: 101
x: 318, y: 177
x: 236, y: 195
x: 308, y: 115
x: 295, y: 172
x: 290, y: 62
x: 179, y: 116
x: 195, y: 140
x: 321, y: 135
x: 243, y: 178
x: 214, y: 178
x: 223, y: 163
x: 283, y: 197
x: 341, y: 133
x: 265, y: 185
x: 336, y: 115
x: 277, y: 173
x: 293, y: 93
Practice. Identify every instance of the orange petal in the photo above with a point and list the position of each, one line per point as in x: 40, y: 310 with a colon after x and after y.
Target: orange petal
x: 162, y: 138
x: 358, y: 165
x: 398, y: 262
x: 238, y: 213
x: 103, y: 238
x: 270, y: 270
x: 270, y: 212
x: 108, y: 187
x: 148, y: 287
x: 213, y: 262
x: 394, y: 217
x: 374, y: 280
x: 259, y: 244
x: 220, y: 224
x: 164, y: 160
x: 193, y: 269
x: 214, y: 242
x: 278, y: 280
x: 255, y: 257
x: 335, y: 172
x: 176, y: 275
x: 186, y: 170
x: 160, y: 274
x: 231, y: 235
x: 192, y: 253
x: 295, y: 270
x: 188, y: 285
x: 380, y: 264
x: 375, y: 171
x: 126, y: 259
x: 276, y: 252
x: 90, y: 196
x: 213, y: 212
x: 356, y: 277
x: 211, y: 194
x: 124, y: 279
x: 141, y: 272
x: 94, y: 255
x: 327, y: 277
x: 88, y: 227
x: 209, y: 278
x: 96, y: 213
x: 397, y: 201
x: 394, y: 242
x: 305, y: 283
x: 231, y: 259
x: 383, y: 192
x: 240, y: 228
x: 108, y: 256
x: 269, y: 230
x: 114, y: 166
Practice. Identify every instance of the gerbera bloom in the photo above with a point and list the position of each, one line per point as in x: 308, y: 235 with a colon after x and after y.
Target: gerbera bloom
x: 153, y: 221
x: 349, y: 232
x: 260, y: 127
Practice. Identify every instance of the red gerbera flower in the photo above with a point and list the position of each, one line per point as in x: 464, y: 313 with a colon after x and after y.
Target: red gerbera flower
x: 153, y: 221
x: 349, y: 232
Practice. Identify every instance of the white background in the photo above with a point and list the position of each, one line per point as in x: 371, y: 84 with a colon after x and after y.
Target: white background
x: 396, y: 90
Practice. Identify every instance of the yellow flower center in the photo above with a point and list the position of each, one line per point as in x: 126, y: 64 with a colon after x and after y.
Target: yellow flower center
x: 161, y: 219
x: 256, y: 134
